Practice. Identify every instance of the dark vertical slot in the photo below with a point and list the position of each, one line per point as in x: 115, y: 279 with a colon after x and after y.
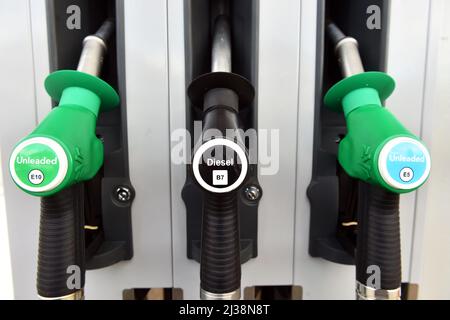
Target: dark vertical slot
x: 107, y: 219
x: 332, y: 193
x: 243, y: 19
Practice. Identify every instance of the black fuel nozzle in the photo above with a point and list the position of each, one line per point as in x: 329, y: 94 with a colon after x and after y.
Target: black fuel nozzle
x: 220, y: 166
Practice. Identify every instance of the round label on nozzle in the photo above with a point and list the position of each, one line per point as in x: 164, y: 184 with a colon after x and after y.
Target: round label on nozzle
x: 404, y: 163
x: 220, y: 165
x: 38, y: 164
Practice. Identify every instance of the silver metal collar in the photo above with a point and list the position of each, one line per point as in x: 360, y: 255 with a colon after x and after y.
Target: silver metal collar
x: 235, y: 295
x: 367, y: 293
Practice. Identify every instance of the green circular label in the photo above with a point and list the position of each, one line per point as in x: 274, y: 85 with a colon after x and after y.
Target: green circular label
x: 36, y: 165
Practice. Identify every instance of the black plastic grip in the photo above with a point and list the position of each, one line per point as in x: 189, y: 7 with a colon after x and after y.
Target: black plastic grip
x: 378, y: 240
x: 220, y: 270
x: 61, y: 244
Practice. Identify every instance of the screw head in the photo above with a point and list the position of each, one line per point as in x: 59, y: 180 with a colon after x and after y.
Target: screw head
x: 252, y: 193
x: 123, y: 194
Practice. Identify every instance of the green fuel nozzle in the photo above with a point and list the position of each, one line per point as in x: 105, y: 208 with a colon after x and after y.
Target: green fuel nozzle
x: 63, y: 149
x: 378, y: 149
x: 381, y: 152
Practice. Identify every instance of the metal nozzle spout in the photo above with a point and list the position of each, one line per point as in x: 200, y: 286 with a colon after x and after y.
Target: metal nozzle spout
x: 346, y: 49
x: 221, y: 47
x: 94, y: 49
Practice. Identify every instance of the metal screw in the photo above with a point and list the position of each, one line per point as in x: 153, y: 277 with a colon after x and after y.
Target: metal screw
x: 252, y: 193
x: 123, y: 194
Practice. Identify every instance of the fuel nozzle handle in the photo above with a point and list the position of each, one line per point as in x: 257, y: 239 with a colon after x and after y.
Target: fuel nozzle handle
x: 378, y: 251
x: 220, y: 164
x: 221, y: 173
x: 62, y: 151
x: 61, y: 256
x: 220, y: 264
x: 385, y: 156
x: 378, y: 149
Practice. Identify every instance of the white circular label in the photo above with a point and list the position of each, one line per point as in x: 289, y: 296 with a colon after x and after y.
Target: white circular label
x: 38, y: 164
x: 221, y: 172
x: 404, y: 163
x: 36, y: 176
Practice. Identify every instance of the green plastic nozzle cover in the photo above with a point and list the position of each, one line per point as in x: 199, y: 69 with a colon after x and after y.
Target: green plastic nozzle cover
x: 377, y: 149
x: 63, y: 149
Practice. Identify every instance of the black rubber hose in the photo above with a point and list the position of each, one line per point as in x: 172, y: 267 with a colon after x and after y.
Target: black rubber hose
x: 106, y: 29
x: 334, y: 33
x: 220, y: 270
x: 378, y: 240
x: 61, y: 244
